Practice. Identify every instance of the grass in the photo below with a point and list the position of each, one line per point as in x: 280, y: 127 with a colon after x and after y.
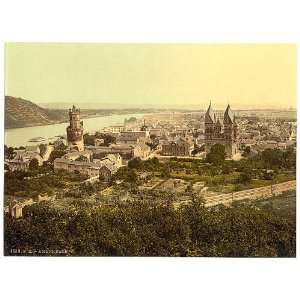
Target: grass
x: 226, y: 183
x: 284, y: 205
x: 255, y: 183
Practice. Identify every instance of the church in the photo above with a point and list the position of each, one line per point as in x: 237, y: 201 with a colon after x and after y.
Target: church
x: 222, y: 131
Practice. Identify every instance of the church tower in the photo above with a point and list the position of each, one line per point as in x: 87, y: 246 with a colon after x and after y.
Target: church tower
x: 224, y: 132
x: 230, y: 132
x: 209, y: 121
x: 75, y: 130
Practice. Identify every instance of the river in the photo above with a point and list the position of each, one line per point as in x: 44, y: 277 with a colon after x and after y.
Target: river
x: 20, y: 136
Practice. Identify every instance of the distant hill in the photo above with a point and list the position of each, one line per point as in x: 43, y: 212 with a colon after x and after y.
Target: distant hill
x: 23, y: 113
x: 84, y: 105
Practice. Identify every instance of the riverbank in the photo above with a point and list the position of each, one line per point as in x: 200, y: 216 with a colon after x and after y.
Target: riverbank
x: 16, y: 137
x: 84, y: 116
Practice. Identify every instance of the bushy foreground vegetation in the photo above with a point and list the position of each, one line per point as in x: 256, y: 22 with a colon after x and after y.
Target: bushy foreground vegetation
x: 148, y: 229
x: 39, y: 181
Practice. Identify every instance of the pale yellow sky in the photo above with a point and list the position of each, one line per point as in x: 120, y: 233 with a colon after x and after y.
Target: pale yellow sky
x: 246, y: 76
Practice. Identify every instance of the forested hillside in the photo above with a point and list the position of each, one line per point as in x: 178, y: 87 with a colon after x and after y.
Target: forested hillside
x: 23, y: 113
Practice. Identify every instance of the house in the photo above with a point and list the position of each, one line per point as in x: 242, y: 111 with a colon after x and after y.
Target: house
x: 106, y: 171
x: 16, y: 211
x: 82, y: 167
x: 114, y: 129
x: 99, y: 142
x: 92, y: 168
x: 126, y: 151
x: 177, y: 147
x: 156, y: 131
x: 266, y: 144
x: 76, y: 154
x: 16, y: 204
x: 141, y: 150
x: 22, y: 159
x: 131, y: 137
x: 33, y: 148
x: 45, y: 154
x: 114, y: 159
x: 59, y: 143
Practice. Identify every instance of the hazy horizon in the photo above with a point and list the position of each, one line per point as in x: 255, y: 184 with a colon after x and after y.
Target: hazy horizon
x: 247, y: 76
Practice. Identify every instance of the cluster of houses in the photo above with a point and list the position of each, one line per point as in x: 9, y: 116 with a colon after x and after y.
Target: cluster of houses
x: 23, y: 157
x: 84, y: 163
x: 267, y: 134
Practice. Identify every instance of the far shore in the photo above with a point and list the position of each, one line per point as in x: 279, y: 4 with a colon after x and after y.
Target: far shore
x: 83, y: 117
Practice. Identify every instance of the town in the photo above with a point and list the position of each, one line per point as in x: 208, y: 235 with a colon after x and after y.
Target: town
x: 111, y: 192
x: 176, y: 155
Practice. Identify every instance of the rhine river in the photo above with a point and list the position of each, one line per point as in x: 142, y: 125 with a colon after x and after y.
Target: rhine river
x: 20, y: 136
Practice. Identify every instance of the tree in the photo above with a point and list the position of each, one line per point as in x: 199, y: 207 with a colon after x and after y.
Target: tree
x: 60, y: 146
x: 166, y: 171
x: 202, y: 148
x: 244, y: 178
x: 268, y: 175
x: 108, y: 139
x: 34, y: 164
x: 226, y: 169
x: 8, y: 152
x: 135, y: 163
x: 56, y: 154
x: 247, y: 151
x: 132, y: 177
x: 216, y: 156
x: 82, y: 158
x: 43, y: 148
x: 89, y: 139
x: 153, y: 137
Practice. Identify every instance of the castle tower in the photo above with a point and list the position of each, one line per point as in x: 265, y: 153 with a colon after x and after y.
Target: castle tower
x: 75, y: 130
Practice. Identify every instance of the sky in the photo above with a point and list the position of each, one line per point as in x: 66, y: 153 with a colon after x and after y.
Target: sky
x: 158, y: 75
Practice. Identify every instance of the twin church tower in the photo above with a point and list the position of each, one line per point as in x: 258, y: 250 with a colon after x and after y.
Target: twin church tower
x: 222, y: 131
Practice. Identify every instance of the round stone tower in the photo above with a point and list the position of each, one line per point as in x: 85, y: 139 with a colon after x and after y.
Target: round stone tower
x: 75, y: 130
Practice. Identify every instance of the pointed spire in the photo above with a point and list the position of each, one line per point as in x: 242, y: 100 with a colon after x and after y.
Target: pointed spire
x: 219, y: 122
x: 228, y: 116
x: 209, y: 115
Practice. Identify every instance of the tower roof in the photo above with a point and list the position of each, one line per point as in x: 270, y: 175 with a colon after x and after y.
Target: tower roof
x: 210, y: 115
x: 229, y: 116
x: 219, y: 122
x: 74, y: 109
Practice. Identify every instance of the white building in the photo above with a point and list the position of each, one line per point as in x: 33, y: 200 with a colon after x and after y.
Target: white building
x: 105, y: 167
